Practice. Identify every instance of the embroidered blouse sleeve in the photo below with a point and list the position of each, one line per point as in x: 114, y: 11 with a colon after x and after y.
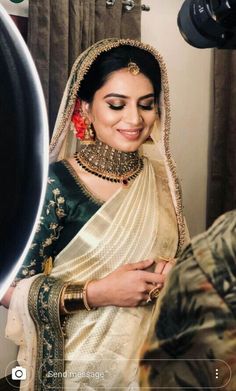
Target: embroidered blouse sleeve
x: 48, y: 231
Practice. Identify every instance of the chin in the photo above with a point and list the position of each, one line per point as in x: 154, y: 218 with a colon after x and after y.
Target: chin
x: 127, y: 147
x: 124, y: 145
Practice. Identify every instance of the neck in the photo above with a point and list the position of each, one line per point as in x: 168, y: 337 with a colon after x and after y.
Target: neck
x: 108, y: 163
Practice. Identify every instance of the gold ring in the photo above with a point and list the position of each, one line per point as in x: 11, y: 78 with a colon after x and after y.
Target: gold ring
x: 153, y: 294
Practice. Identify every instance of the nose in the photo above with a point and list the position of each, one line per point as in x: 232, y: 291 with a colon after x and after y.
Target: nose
x: 133, y: 116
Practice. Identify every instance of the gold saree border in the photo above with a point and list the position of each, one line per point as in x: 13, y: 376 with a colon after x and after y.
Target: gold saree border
x: 43, y: 305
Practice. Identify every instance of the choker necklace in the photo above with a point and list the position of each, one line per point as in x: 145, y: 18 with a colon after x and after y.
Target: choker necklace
x: 108, y: 163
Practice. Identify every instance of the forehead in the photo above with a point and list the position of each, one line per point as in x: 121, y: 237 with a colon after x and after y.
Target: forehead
x: 124, y: 83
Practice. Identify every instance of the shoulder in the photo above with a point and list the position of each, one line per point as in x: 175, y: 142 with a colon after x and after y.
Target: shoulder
x: 60, y: 175
x: 55, y: 169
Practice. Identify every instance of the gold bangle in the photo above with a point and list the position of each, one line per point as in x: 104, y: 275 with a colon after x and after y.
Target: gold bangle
x: 74, y: 298
x: 62, y: 301
x: 86, y: 304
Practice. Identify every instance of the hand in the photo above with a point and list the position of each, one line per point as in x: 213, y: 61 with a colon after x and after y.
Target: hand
x: 127, y: 286
x: 164, y: 267
x: 5, y: 301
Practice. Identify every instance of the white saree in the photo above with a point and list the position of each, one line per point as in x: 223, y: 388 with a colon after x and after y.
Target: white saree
x: 125, y: 230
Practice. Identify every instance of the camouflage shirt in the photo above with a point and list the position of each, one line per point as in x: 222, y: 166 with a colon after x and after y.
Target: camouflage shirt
x: 195, y: 329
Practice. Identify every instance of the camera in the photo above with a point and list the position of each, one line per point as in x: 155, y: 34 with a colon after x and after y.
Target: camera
x: 18, y: 373
x: 208, y: 23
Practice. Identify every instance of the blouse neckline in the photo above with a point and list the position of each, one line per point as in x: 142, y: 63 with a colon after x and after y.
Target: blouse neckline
x: 87, y: 192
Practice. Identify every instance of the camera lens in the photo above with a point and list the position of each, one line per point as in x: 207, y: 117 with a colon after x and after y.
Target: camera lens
x: 225, y: 12
x: 198, y: 25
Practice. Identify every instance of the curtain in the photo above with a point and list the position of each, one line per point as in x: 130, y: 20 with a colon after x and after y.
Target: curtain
x: 59, y: 30
x: 222, y: 174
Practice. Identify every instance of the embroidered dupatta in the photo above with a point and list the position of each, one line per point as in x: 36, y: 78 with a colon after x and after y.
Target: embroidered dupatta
x: 142, y: 221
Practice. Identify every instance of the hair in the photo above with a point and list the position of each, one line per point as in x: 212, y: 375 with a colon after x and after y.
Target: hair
x: 115, y: 59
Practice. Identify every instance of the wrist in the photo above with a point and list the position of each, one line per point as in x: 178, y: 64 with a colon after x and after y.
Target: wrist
x: 97, y: 294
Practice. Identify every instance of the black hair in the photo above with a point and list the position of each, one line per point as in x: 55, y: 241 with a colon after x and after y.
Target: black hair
x: 115, y: 59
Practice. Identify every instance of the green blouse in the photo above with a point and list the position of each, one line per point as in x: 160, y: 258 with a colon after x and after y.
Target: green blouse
x: 68, y: 205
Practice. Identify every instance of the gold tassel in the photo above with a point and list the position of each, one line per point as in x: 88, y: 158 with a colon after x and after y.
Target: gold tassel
x: 48, y: 264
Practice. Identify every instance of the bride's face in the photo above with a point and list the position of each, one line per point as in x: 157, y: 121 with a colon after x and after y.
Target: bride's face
x: 123, y: 110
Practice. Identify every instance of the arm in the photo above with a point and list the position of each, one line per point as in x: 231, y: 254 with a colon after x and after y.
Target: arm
x: 48, y: 232
x: 50, y: 224
x: 128, y: 286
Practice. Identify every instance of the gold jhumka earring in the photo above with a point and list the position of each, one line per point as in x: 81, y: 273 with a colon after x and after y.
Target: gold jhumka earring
x: 89, y: 134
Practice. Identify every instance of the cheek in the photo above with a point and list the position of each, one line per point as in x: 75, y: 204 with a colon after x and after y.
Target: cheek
x: 106, y: 118
x: 150, y: 119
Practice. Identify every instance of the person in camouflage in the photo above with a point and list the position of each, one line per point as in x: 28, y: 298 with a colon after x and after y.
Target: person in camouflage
x: 195, y: 331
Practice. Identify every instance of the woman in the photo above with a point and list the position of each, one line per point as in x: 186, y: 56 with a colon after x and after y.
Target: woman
x: 110, y: 214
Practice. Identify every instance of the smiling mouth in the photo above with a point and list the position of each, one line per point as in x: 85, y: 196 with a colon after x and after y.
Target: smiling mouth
x: 130, y: 134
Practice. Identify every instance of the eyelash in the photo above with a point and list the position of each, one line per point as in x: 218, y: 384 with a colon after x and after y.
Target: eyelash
x: 148, y: 107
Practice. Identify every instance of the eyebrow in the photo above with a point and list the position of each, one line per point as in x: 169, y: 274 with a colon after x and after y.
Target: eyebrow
x: 126, y: 97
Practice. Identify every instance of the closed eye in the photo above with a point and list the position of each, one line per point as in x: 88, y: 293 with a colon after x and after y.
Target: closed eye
x: 146, y: 107
x: 121, y: 106
x: 115, y: 107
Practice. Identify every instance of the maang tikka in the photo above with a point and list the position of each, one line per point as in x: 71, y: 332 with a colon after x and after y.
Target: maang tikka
x: 133, y: 68
x: 81, y: 126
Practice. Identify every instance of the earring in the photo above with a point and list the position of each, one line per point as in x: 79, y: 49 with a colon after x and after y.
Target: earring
x: 80, y: 125
x: 89, y: 134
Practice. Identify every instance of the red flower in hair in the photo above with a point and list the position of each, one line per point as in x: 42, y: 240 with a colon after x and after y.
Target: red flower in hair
x: 78, y: 121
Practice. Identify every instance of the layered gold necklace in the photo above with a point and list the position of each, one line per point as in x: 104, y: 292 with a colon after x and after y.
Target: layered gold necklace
x: 108, y: 163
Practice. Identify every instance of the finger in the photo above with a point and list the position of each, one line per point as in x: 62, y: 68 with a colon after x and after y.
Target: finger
x: 158, y: 285
x: 149, y: 287
x: 160, y: 267
x: 167, y: 268
x: 153, y: 278
x: 141, y: 265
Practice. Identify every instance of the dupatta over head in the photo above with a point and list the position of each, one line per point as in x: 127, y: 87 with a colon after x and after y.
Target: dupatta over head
x: 63, y: 142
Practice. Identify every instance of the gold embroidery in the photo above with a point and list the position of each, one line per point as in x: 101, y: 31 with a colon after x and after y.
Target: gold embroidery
x: 26, y: 269
x: 57, y: 203
x: 44, y: 309
x: 48, y: 265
